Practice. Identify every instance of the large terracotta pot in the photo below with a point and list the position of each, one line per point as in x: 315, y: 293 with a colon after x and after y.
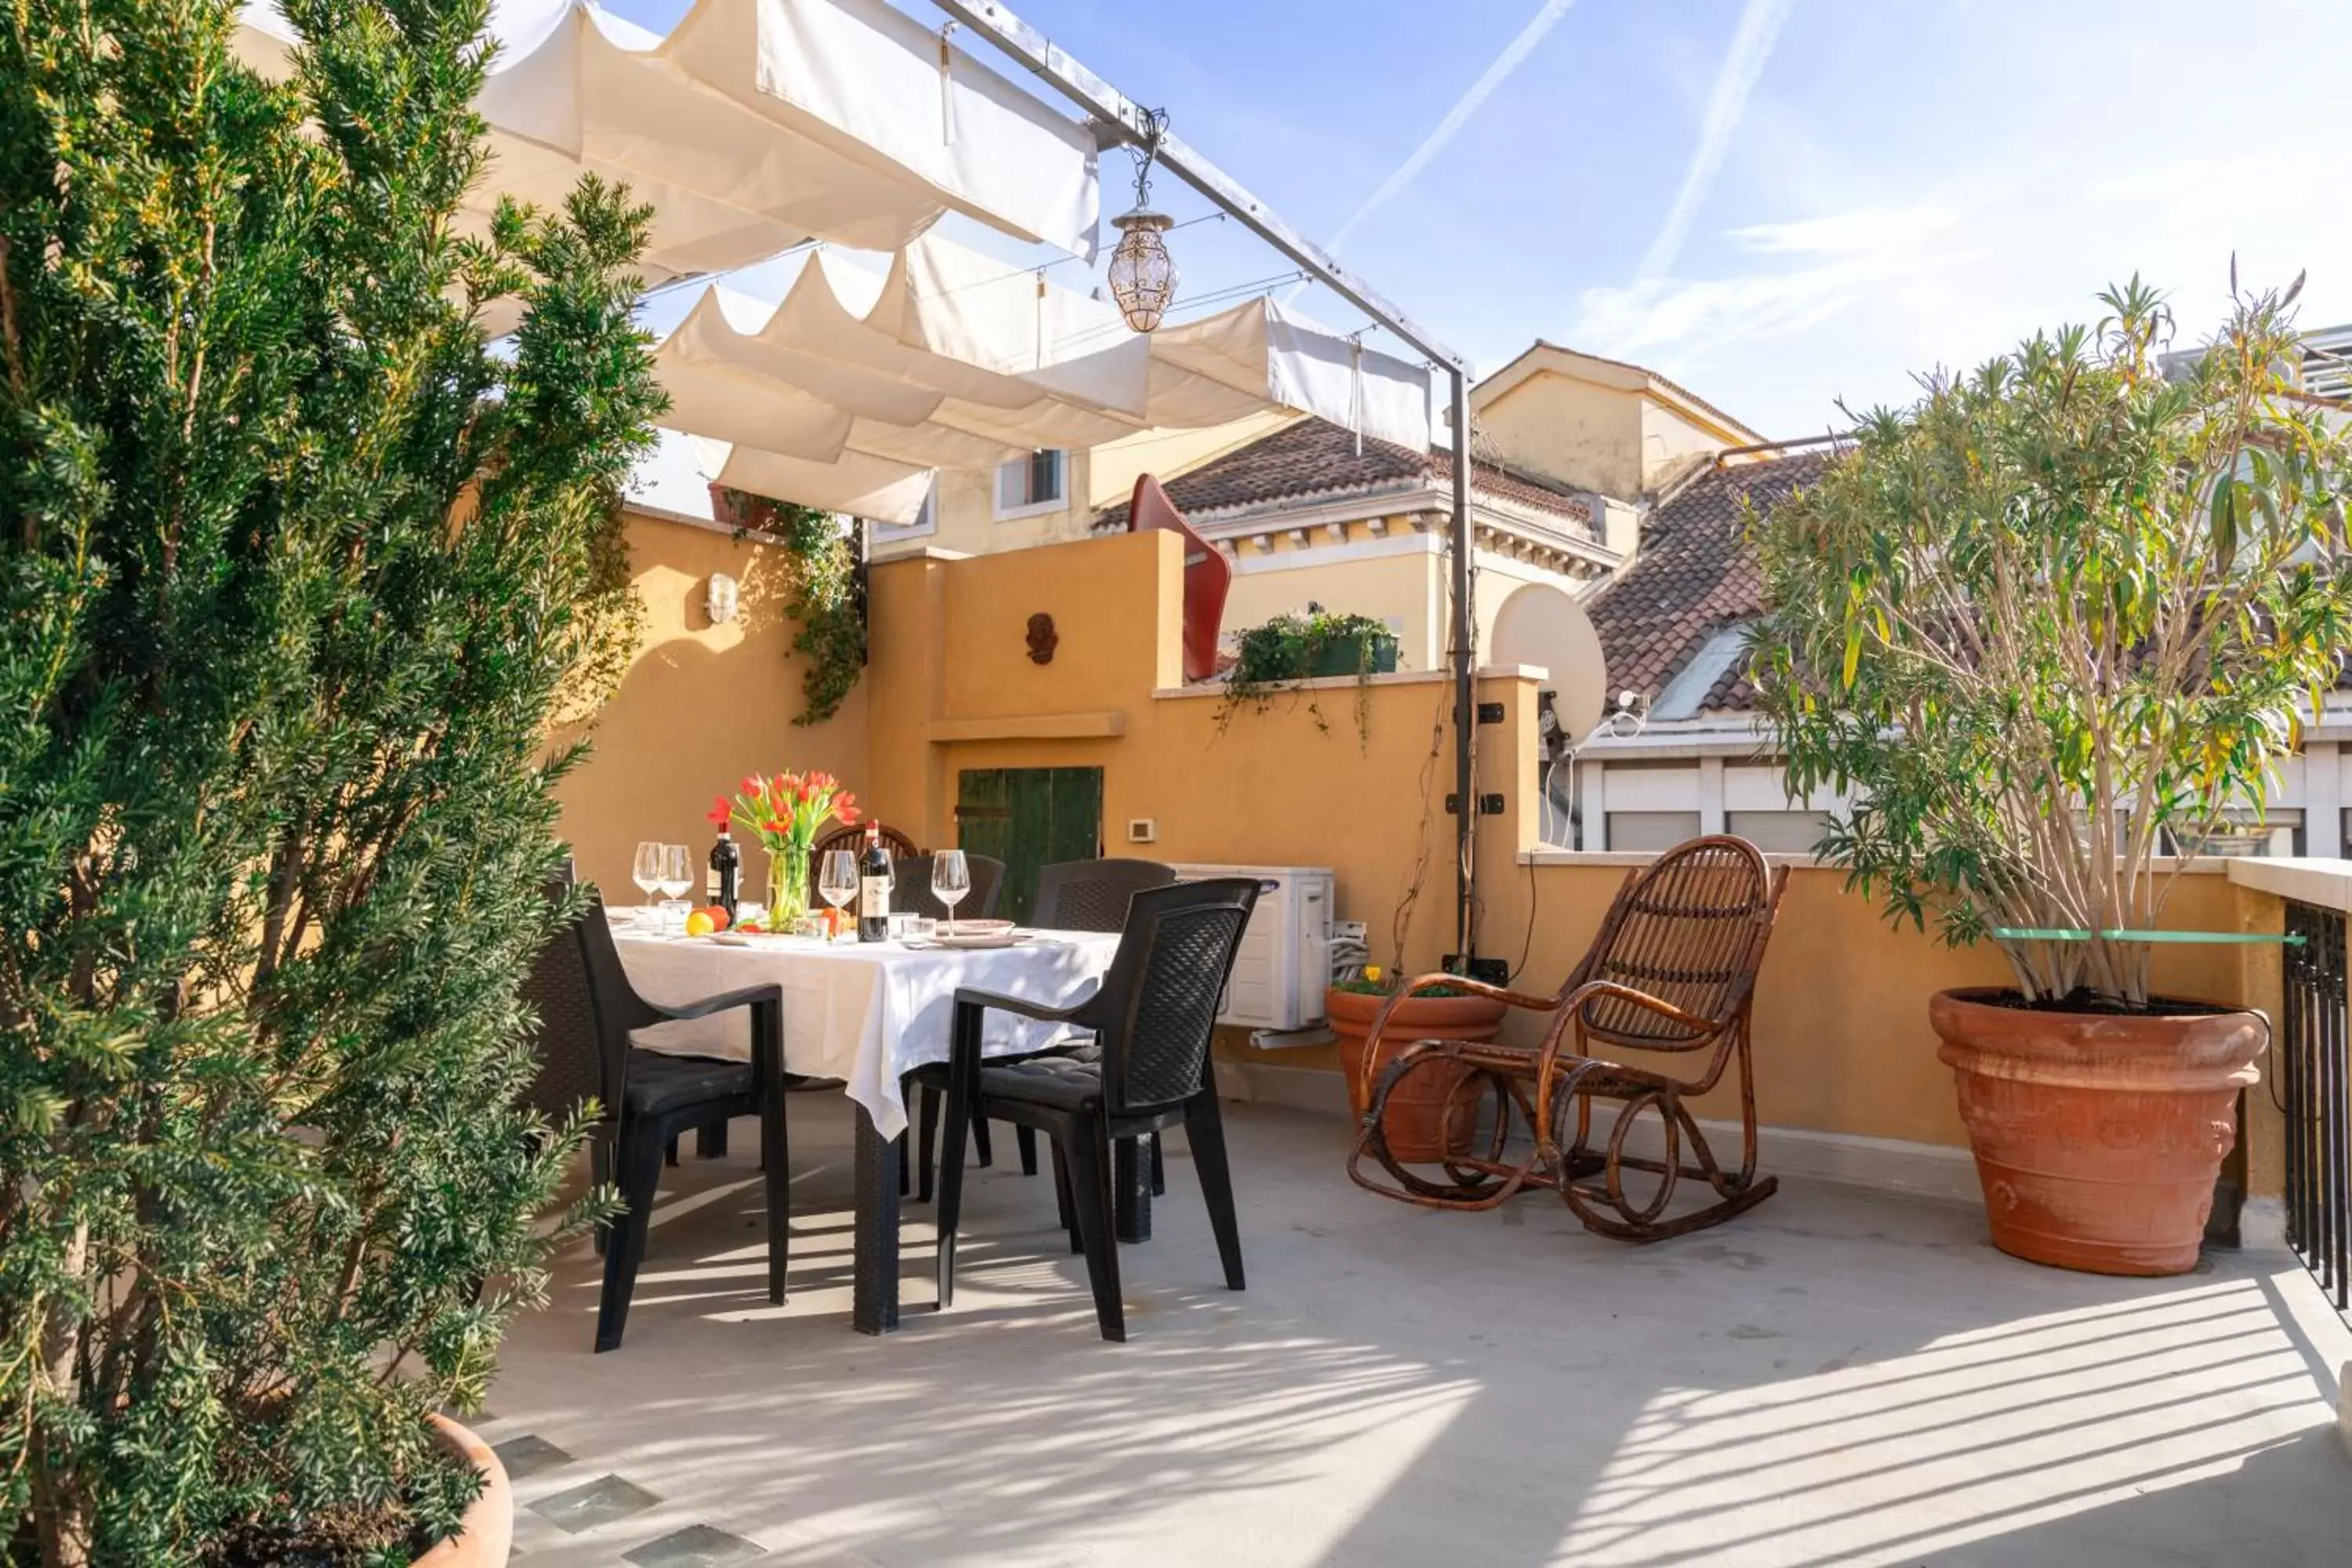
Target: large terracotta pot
x: 1425, y: 1116
x: 487, y: 1537
x: 2098, y: 1136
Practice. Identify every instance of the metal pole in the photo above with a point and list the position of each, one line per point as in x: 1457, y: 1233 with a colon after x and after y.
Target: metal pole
x: 1123, y: 119
x: 1466, y: 689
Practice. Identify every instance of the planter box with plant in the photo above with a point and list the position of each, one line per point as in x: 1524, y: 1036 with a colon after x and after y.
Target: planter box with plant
x: 296, y: 573
x: 2053, y: 620
x: 1284, y: 653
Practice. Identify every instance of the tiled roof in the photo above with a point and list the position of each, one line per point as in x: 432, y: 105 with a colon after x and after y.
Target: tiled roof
x: 1316, y: 459
x: 1694, y: 576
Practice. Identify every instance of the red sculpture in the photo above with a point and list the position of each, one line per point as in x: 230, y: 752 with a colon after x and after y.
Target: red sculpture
x: 1207, y: 574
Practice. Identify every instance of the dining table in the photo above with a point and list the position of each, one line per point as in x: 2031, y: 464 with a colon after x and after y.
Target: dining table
x: 866, y: 1013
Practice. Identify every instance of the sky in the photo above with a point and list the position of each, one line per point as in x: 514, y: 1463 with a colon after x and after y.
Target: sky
x: 1783, y: 204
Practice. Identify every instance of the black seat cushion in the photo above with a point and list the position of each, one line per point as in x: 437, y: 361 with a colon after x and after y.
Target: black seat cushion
x: 659, y: 1081
x: 1061, y: 1082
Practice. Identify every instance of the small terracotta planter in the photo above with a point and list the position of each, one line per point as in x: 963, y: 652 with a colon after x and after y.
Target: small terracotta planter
x: 2097, y: 1136
x: 487, y: 1536
x: 1425, y: 1118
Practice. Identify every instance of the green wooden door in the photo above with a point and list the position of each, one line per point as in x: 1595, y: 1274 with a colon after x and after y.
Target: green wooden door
x: 1029, y: 818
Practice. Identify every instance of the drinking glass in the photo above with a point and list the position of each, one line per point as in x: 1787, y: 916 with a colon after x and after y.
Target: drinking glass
x: 950, y: 880
x: 647, y: 872
x: 836, y: 879
x: 677, y: 877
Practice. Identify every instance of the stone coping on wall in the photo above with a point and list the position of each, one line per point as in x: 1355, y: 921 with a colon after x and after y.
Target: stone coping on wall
x: 2209, y: 865
x: 1400, y: 678
x: 2305, y: 879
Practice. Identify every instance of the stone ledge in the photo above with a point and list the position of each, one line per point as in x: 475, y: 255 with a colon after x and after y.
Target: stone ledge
x: 2308, y: 880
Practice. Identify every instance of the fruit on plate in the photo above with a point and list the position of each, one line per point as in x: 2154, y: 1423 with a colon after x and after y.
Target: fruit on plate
x: 718, y: 914
x: 699, y: 923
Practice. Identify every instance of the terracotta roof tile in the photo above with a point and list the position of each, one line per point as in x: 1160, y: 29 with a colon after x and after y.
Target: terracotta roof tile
x: 1695, y: 575
x: 1317, y: 459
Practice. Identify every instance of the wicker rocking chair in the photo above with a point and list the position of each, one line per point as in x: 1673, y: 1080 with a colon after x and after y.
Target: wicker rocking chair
x: 1672, y: 969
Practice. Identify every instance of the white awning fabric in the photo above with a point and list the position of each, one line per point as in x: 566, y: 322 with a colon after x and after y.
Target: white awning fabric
x: 756, y: 124
x: 854, y: 385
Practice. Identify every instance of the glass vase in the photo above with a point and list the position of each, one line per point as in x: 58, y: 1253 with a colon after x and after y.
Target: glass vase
x: 788, y: 872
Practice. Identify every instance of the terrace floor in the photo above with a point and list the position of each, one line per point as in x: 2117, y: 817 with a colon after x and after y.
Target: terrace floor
x: 1836, y: 1377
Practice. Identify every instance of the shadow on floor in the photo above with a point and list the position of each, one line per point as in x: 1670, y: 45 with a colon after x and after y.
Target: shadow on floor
x: 1833, y: 1377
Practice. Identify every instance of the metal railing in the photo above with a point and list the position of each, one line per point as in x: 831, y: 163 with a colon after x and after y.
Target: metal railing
x: 2315, y: 1090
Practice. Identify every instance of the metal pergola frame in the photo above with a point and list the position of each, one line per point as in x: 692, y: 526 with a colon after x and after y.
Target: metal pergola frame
x: 1122, y: 120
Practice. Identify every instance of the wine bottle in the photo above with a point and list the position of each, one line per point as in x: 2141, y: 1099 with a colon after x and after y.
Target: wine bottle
x: 726, y: 868
x: 874, y: 880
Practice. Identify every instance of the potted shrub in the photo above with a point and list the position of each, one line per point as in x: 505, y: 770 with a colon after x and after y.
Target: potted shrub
x: 2055, y: 618
x: 296, y: 573
x: 1426, y: 1117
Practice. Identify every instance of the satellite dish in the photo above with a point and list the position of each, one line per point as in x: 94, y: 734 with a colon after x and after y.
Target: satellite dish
x: 1542, y: 626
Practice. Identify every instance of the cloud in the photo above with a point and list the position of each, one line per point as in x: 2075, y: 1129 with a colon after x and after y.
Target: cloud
x: 1825, y: 266
x: 1752, y: 46
x: 1547, y: 16
x: 1851, y: 304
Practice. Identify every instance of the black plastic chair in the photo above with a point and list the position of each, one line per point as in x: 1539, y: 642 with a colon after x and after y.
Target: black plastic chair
x: 1152, y: 1016
x: 912, y: 890
x: 1074, y: 895
x: 1091, y: 895
x: 586, y: 1010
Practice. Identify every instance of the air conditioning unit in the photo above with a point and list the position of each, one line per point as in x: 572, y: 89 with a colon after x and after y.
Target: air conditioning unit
x: 1285, y: 963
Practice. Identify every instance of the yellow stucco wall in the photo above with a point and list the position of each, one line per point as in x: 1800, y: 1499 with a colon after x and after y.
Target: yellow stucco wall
x: 1670, y: 441
x: 1579, y: 433
x: 1406, y: 590
x: 1842, y: 1037
x: 1409, y: 590
x: 701, y: 706
x: 1841, y: 1031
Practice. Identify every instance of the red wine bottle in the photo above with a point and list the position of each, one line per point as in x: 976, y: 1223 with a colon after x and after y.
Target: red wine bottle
x: 874, y: 880
x: 726, y: 870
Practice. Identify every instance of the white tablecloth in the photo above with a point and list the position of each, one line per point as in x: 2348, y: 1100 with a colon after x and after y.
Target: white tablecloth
x: 862, y: 1012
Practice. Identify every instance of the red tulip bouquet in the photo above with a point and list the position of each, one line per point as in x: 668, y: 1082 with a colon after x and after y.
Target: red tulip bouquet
x: 784, y: 812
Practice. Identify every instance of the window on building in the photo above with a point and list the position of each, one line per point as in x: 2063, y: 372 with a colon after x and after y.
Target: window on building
x: 1036, y: 483
x: 1650, y: 830
x: 1778, y: 832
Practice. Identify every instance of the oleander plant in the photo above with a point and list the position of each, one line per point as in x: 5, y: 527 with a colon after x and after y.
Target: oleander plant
x: 292, y: 568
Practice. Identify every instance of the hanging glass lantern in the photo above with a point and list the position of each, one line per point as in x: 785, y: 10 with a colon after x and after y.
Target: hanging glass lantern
x: 1142, y: 274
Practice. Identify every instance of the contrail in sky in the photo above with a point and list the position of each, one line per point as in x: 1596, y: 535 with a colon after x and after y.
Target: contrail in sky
x: 1546, y: 18
x: 1752, y: 46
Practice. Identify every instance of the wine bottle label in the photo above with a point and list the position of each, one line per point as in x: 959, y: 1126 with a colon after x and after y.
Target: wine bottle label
x: 711, y: 885
x: 874, y: 899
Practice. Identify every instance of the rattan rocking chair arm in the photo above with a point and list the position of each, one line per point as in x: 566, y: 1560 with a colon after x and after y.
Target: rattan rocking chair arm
x: 1594, y: 990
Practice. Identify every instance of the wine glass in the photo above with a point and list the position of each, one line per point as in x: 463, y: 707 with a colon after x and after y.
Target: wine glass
x: 950, y: 880
x: 647, y: 872
x: 837, y: 877
x: 676, y: 876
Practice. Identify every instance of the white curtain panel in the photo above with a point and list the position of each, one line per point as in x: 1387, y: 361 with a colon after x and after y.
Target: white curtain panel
x: 857, y: 383
x: 756, y: 124
x: 962, y: 304
x: 856, y: 483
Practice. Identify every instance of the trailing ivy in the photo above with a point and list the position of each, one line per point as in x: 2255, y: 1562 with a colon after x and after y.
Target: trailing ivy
x: 1284, y: 653
x: 821, y: 594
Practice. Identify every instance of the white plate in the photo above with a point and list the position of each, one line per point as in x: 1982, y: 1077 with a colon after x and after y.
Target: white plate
x: 976, y: 939
x: 728, y: 938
